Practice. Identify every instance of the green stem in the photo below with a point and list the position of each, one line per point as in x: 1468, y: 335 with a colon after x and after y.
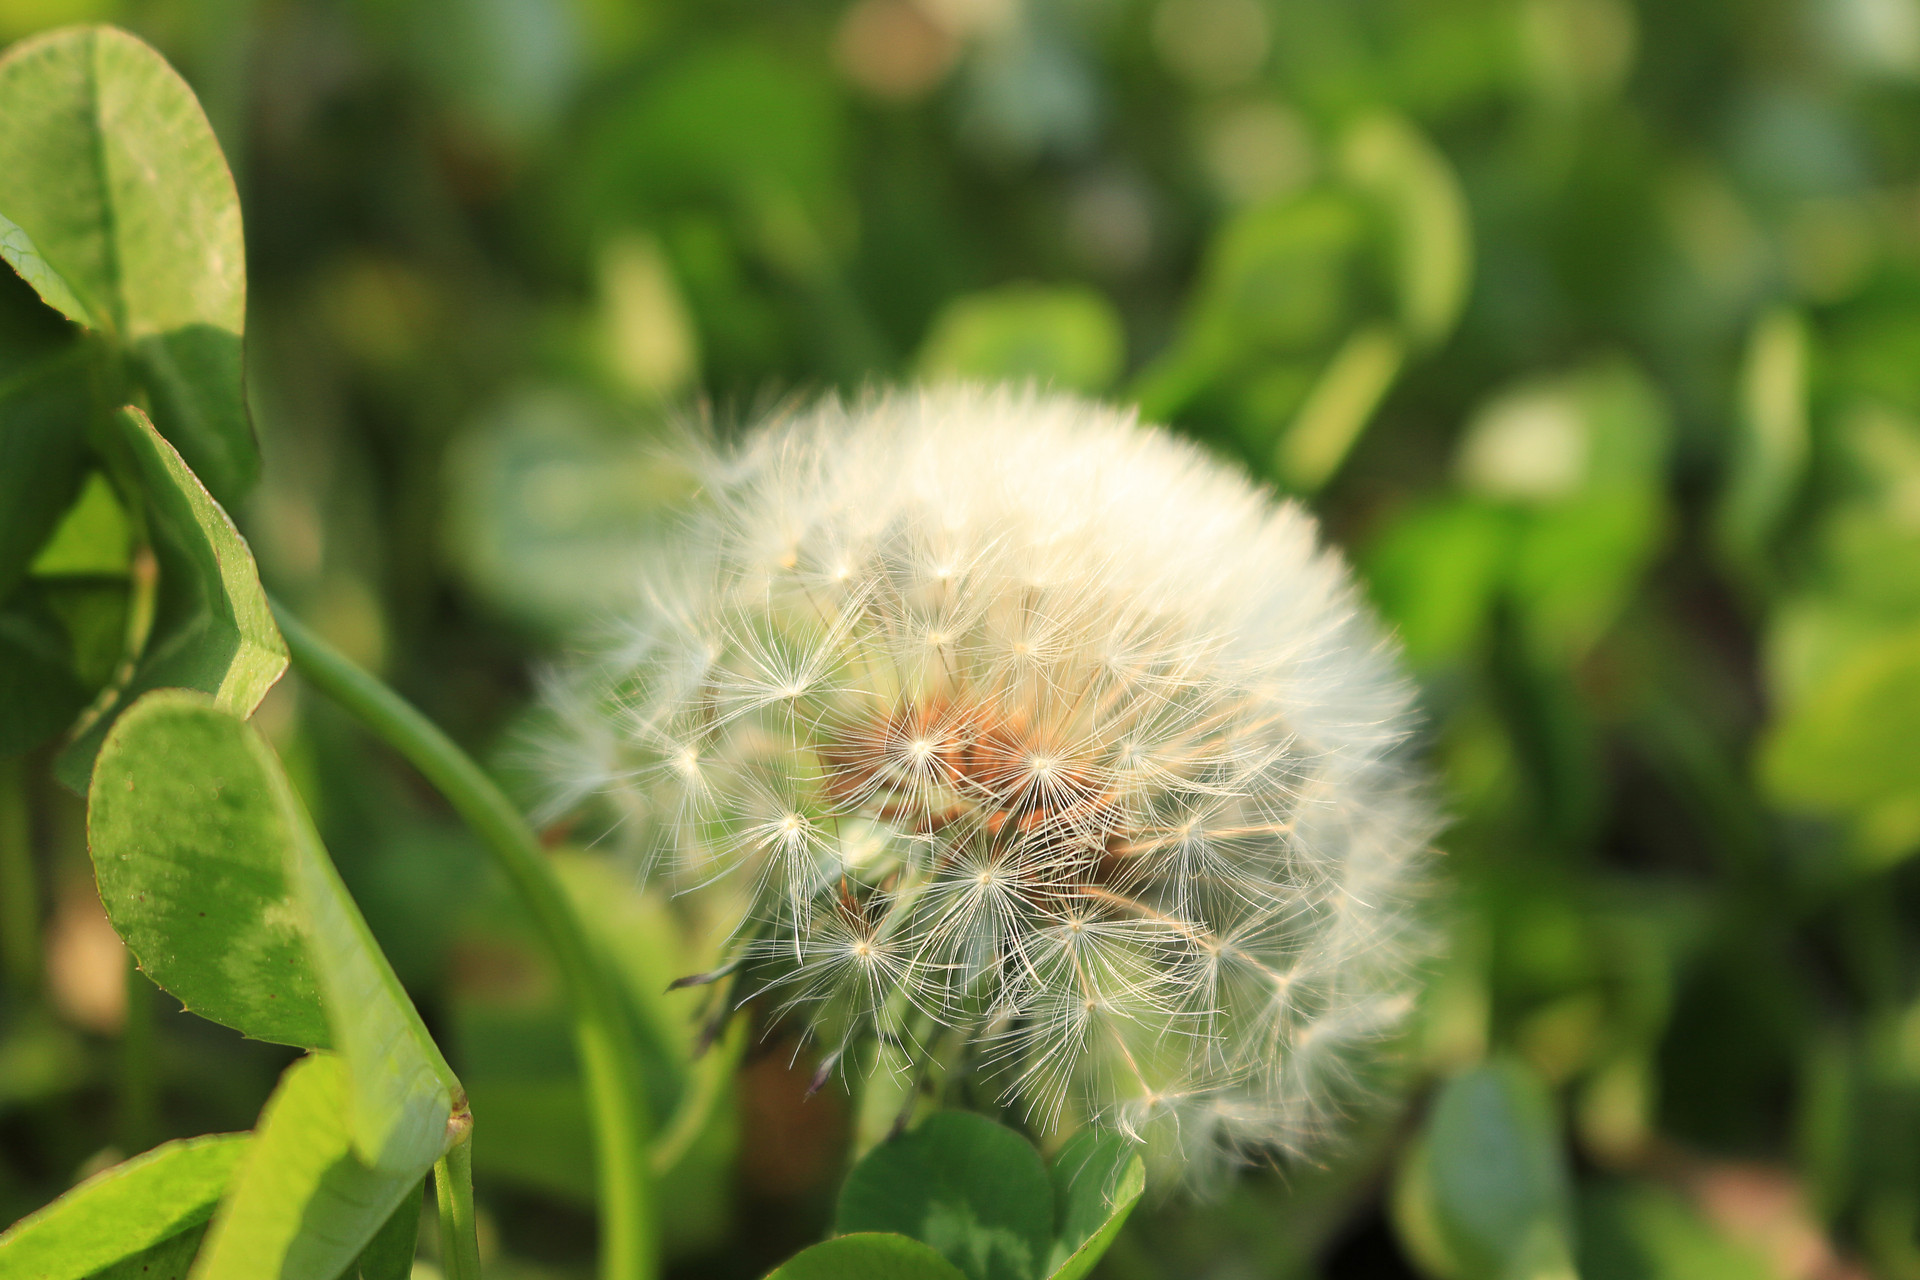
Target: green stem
x: 19, y: 884
x: 709, y: 1083
x: 453, y: 1192
x: 603, y: 1032
x: 139, y: 1085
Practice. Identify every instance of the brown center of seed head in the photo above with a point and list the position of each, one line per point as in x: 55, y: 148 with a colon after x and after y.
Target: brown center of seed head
x: 927, y: 764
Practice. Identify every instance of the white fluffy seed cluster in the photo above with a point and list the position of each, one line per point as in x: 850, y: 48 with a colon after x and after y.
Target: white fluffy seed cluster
x: 1035, y: 738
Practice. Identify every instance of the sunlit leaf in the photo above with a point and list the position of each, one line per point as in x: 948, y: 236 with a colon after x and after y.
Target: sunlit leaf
x: 144, y: 1204
x: 1769, y: 454
x: 1069, y: 338
x: 171, y: 1259
x: 647, y: 340
x: 189, y: 846
x: 212, y: 630
x: 1426, y: 212
x: 1844, y: 748
x: 303, y: 1205
x: 119, y: 209
x: 210, y: 869
x: 1436, y: 573
x: 1577, y: 565
x: 1276, y: 277
x: 1579, y: 462
x: 92, y: 539
x: 1338, y: 408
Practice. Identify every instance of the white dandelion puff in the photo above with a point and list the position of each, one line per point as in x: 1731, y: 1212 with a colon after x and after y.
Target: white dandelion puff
x: 1024, y: 728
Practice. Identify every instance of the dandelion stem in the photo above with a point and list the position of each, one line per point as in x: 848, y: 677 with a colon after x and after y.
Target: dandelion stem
x: 603, y: 1033
x: 689, y: 1120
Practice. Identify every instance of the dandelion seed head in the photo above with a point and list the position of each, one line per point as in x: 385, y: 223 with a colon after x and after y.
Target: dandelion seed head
x: 1013, y: 721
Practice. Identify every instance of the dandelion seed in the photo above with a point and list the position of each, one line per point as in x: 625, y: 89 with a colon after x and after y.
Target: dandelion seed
x: 1013, y: 723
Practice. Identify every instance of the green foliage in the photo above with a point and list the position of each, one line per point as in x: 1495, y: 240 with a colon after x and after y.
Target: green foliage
x: 549, y: 495
x: 262, y: 937
x: 1588, y: 328
x: 210, y: 628
x: 304, y: 1205
x: 1484, y: 1192
x: 202, y: 894
x: 871, y: 1255
x: 974, y: 1191
x: 155, y: 1202
x: 117, y: 207
x: 1065, y: 338
x: 979, y: 1195
x: 1643, y: 1232
x: 1844, y: 749
x: 1097, y: 1179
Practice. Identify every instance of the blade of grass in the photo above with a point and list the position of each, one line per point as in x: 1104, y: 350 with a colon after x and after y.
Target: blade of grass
x: 609, y: 1056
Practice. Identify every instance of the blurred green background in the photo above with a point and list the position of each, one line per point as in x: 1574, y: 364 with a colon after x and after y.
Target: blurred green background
x: 1590, y: 328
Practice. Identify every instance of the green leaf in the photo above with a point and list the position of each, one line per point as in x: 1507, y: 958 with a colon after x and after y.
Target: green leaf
x: 389, y: 1255
x: 142, y: 1204
x: 39, y: 691
x: 303, y: 1206
x: 1769, y: 454
x: 93, y: 611
x: 92, y: 539
x: 211, y: 870
x: 1577, y: 566
x: 120, y: 211
x: 212, y: 629
x: 1427, y: 218
x: 734, y: 120
x: 19, y: 251
x: 1637, y: 1231
x: 189, y: 846
x: 1097, y: 1179
x: 1844, y: 748
x: 1579, y: 460
x: 518, y: 1065
x: 551, y: 504
x: 43, y: 432
x: 1068, y: 337
x: 1541, y: 441
x: 974, y: 1190
x: 868, y: 1255
x: 171, y: 1259
x: 1339, y: 407
x: 1277, y: 278
x: 1484, y: 1192
x: 1436, y: 572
